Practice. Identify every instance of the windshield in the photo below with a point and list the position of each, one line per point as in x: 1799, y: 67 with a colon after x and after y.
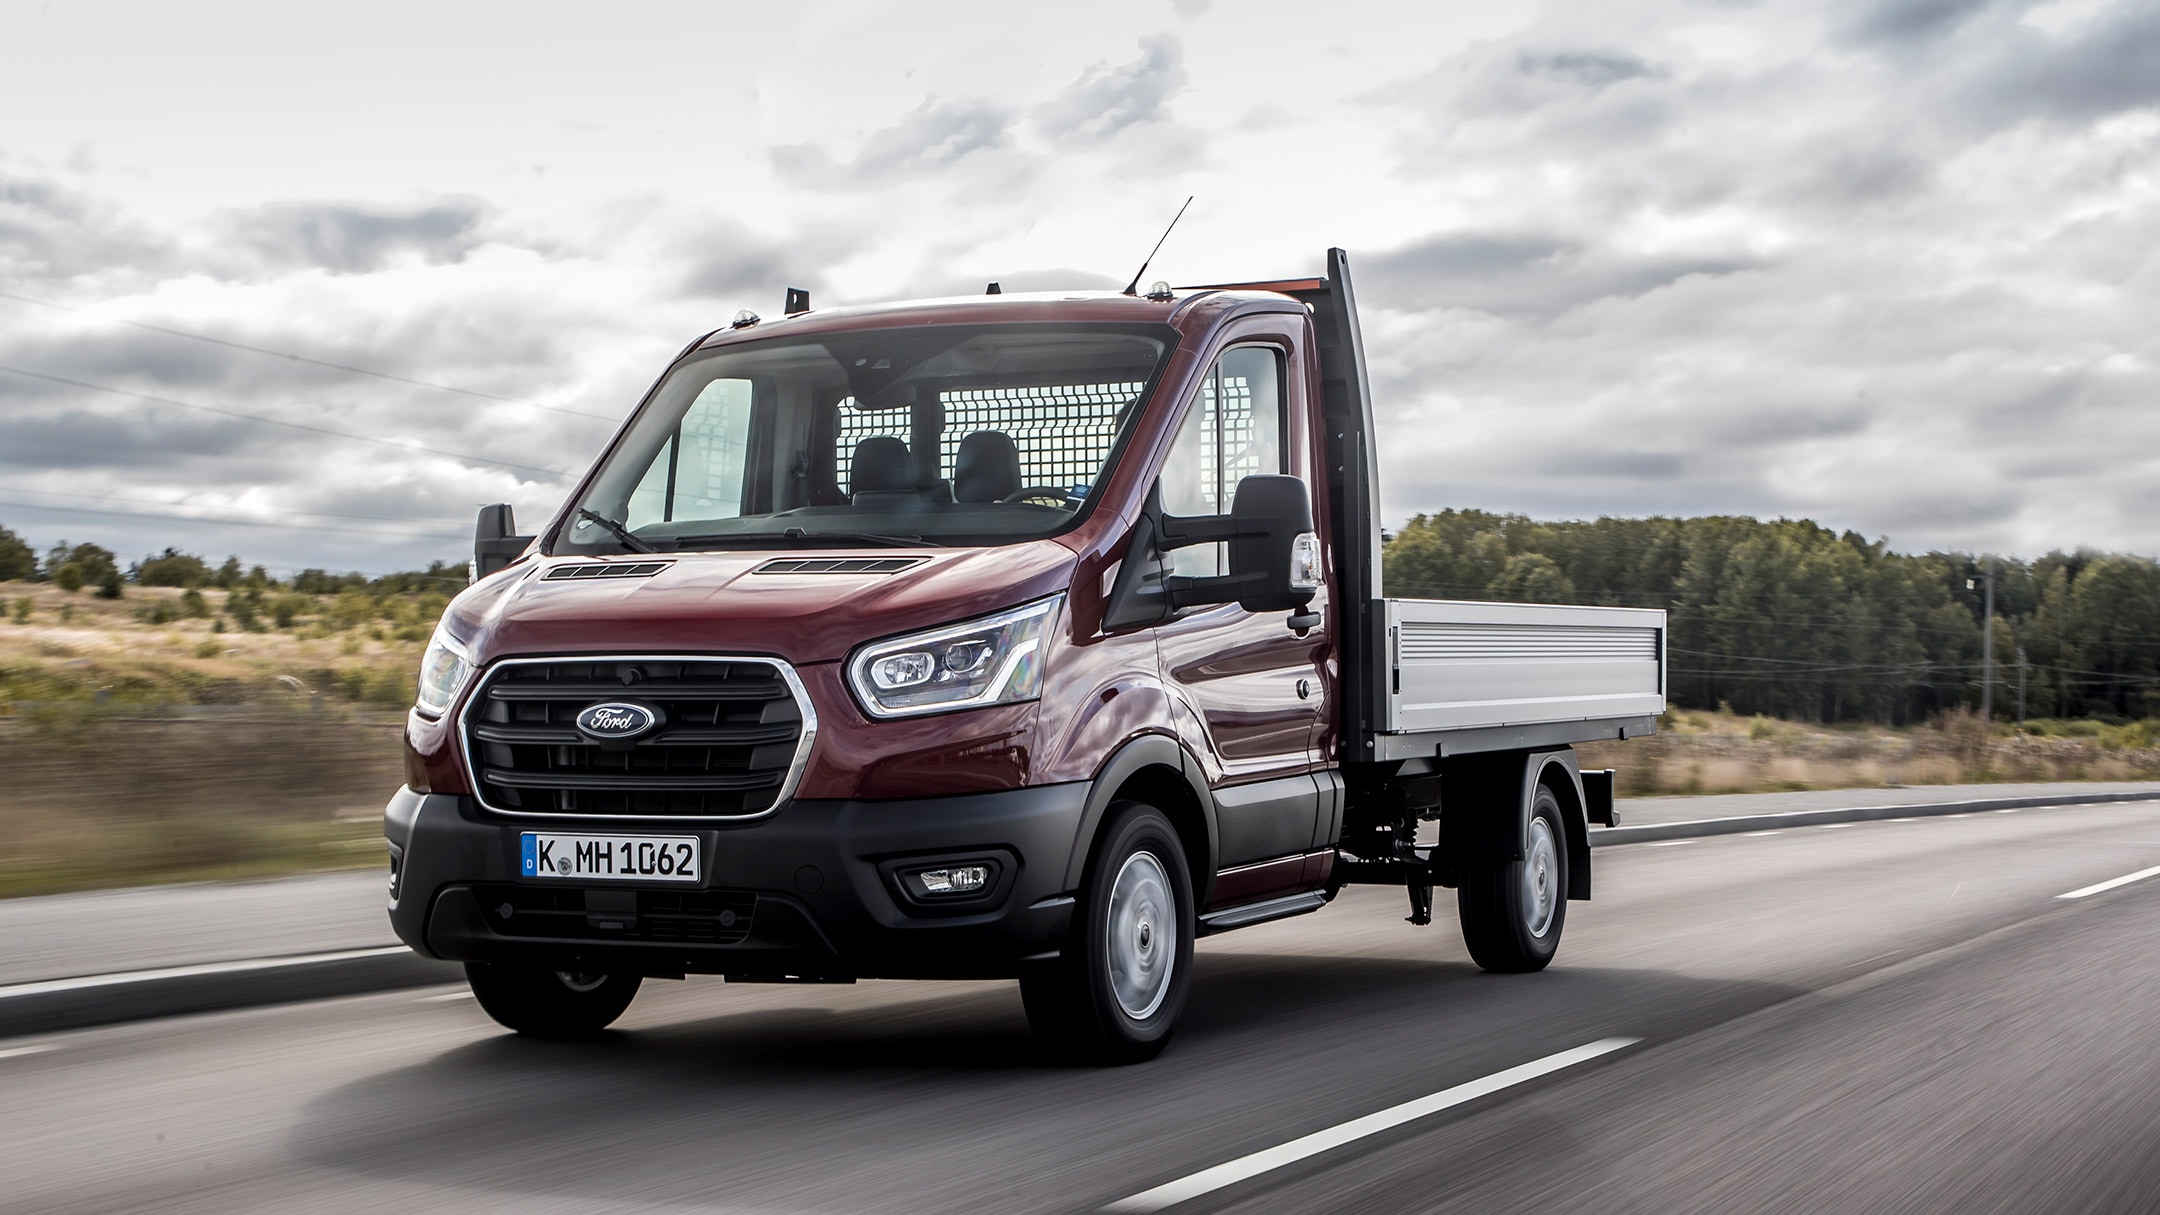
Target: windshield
x: 977, y: 434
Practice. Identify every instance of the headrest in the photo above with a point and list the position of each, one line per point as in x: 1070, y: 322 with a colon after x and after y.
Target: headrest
x: 986, y: 468
x: 882, y: 465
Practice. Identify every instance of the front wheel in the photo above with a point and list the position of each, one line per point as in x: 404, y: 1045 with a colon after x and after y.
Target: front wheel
x: 543, y: 1003
x: 1512, y: 911
x: 1115, y: 992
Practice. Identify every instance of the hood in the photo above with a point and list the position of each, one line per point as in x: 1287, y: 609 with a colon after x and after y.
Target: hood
x: 801, y: 606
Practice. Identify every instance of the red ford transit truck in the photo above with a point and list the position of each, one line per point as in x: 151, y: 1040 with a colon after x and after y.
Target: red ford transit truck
x: 1012, y: 636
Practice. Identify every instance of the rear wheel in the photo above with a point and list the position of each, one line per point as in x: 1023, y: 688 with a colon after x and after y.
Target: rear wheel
x: 1512, y: 912
x: 543, y: 1003
x: 1115, y: 992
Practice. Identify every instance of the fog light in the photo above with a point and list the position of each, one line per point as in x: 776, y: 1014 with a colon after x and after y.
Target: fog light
x: 955, y: 879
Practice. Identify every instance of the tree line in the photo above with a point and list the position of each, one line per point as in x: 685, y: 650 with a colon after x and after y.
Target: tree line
x: 75, y: 567
x: 1791, y: 619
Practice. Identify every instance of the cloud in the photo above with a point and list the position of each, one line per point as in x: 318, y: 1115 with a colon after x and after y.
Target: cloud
x: 349, y: 238
x: 1534, y: 275
x: 2110, y: 65
x: 934, y: 136
x: 1591, y: 69
x: 1107, y: 98
x: 51, y: 231
x: 1905, y: 22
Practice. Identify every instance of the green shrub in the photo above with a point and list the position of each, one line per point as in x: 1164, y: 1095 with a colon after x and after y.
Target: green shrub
x: 22, y: 610
x: 68, y: 577
x: 193, y: 605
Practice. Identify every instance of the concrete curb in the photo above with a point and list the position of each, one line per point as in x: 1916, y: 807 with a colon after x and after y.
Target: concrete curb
x: 56, y: 1004
x: 1605, y: 837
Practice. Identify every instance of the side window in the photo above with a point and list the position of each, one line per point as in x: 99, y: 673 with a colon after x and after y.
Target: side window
x: 698, y: 473
x: 1233, y: 430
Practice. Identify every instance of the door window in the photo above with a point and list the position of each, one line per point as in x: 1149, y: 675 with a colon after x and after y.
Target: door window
x: 1233, y: 430
x: 698, y: 473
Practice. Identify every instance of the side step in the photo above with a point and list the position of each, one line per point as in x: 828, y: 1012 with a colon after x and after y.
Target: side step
x: 1261, y: 912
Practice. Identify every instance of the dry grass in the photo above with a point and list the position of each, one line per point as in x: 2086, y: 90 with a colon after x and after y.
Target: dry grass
x: 1696, y: 752
x: 141, y: 752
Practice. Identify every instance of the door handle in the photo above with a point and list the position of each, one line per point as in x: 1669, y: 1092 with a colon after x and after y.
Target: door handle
x: 1302, y: 623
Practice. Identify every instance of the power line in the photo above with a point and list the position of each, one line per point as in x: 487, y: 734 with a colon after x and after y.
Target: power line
x: 250, y: 417
x: 318, y: 514
x: 301, y: 358
x: 284, y: 527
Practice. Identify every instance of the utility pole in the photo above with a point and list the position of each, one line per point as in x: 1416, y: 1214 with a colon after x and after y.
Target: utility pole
x: 1987, y: 648
x: 2021, y: 685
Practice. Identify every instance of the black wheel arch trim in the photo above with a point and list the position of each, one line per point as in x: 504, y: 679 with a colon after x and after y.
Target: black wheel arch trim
x: 1129, y: 760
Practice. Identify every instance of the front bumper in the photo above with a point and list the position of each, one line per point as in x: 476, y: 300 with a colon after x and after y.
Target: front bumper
x: 815, y: 880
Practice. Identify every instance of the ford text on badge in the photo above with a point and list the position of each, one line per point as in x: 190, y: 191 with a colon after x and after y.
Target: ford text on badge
x: 617, y: 721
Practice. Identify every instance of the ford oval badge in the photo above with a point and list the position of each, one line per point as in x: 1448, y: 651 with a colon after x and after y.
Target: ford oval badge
x: 617, y: 721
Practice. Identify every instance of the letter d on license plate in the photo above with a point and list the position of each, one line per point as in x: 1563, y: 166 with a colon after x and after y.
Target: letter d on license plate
x: 642, y: 858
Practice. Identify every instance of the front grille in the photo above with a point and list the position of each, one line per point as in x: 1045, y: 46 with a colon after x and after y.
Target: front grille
x: 728, y: 747
x: 699, y: 917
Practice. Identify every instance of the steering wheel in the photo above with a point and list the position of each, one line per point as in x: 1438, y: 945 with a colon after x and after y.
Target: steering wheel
x: 1059, y: 493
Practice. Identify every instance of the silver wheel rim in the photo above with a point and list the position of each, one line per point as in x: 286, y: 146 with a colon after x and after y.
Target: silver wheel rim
x: 577, y: 980
x: 1142, y: 942
x: 1540, y: 878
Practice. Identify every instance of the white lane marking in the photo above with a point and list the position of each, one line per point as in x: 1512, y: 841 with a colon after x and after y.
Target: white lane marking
x: 37, y: 1048
x: 2008, y: 810
x: 1901, y: 820
x: 448, y: 995
x: 1759, y: 834
x: 183, y: 972
x: 2112, y: 883
x: 1207, y: 1181
x: 1669, y: 843
x: 1833, y: 826
x: 1967, y: 814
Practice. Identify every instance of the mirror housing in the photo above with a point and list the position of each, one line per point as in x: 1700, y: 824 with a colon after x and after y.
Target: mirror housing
x: 1274, y: 552
x: 494, y: 544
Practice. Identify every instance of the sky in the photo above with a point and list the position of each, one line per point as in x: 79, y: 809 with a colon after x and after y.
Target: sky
x: 1893, y: 265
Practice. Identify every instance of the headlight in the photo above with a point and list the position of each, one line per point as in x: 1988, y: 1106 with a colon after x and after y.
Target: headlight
x: 443, y: 669
x: 996, y: 660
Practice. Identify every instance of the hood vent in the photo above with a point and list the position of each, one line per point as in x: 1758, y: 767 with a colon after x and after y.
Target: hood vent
x: 608, y: 569
x: 839, y: 565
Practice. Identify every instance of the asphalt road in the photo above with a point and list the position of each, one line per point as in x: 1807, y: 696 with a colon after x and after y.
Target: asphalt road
x: 1894, y: 1016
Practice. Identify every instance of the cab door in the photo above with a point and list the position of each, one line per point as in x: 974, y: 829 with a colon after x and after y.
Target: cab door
x: 1249, y: 687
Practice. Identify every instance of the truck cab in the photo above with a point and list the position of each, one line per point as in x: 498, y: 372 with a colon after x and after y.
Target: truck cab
x: 1010, y: 636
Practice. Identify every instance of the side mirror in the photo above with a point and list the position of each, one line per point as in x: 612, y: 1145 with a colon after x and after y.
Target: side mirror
x: 1274, y: 553
x: 494, y: 544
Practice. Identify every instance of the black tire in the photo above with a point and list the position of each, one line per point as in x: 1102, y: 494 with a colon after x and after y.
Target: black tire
x: 1512, y: 912
x: 1117, y: 988
x: 557, y: 1004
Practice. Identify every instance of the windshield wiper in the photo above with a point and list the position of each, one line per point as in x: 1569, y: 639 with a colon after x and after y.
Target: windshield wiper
x: 629, y: 538
x: 796, y: 533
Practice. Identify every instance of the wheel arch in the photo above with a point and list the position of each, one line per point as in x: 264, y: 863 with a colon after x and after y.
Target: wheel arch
x: 1155, y: 769
x: 1486, y: 800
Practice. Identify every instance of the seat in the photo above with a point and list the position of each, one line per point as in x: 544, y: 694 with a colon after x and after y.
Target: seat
x: 986, y: 468
x: 882, y: 473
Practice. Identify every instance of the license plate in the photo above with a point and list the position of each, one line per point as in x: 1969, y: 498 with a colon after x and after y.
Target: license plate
x: 642, y: 858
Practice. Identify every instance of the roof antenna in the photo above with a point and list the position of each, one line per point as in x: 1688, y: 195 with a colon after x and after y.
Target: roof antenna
x: 1133, y: 287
